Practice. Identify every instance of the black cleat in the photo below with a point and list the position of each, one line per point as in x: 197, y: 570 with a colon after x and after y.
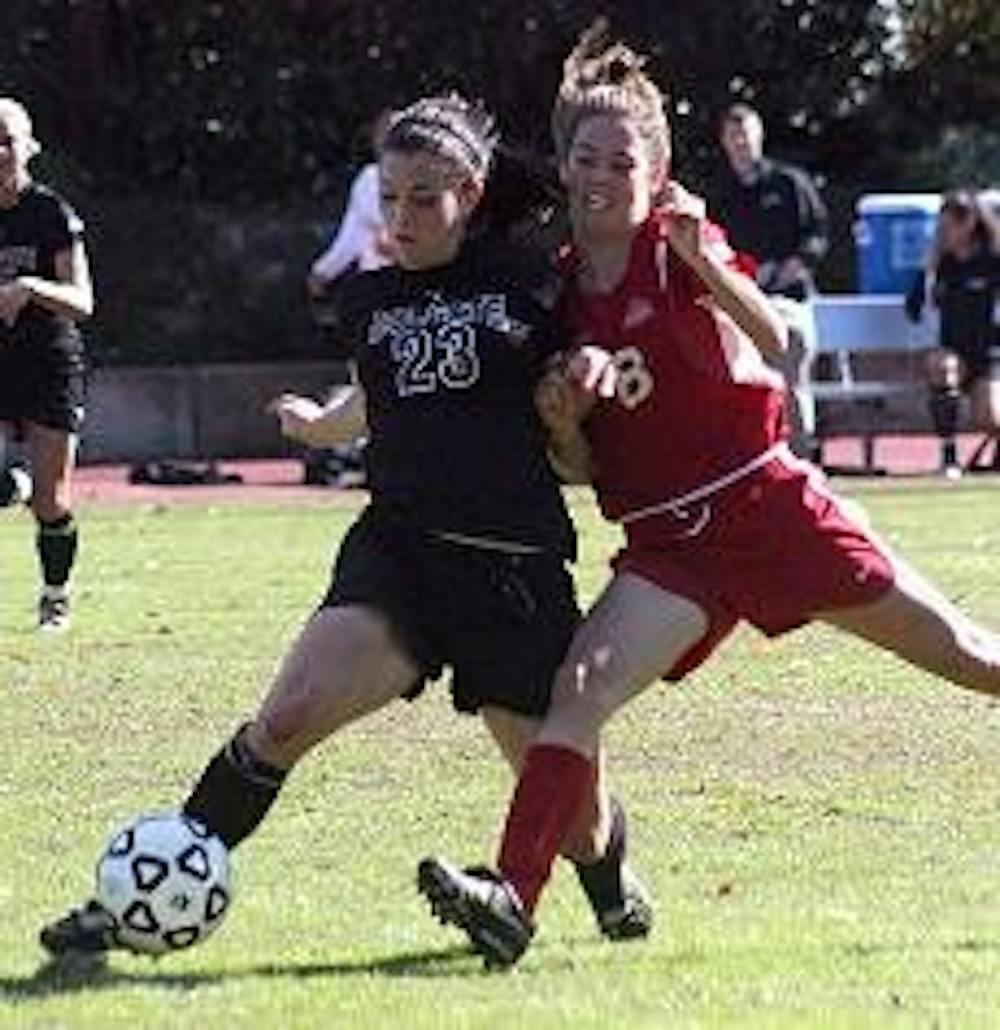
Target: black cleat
x: 482, y: 904
x: 53, y: 614
x: 620, y: 902
x: 89, y: 930
x: 634, y: 917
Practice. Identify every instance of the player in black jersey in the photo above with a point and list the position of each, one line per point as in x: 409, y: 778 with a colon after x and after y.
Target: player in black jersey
x: 45, y: 290
x: 963, y: 281
x: 460, y: 558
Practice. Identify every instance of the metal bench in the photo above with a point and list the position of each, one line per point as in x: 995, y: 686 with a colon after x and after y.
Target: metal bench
x: 851, y: 325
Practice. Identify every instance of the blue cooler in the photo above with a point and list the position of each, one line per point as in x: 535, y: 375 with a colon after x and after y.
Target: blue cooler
x: 893, y: 234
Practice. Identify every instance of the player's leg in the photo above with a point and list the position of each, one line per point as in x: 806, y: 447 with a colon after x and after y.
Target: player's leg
x: 635, y: 631
x: 345, y: 664
x: 596, y: 843
x: 916, y: 622
x: 53, y: 453
x: 944, y: 378
x: 348, y: 660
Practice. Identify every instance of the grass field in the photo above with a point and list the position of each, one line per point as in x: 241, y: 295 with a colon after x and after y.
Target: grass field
x: 819, y: 823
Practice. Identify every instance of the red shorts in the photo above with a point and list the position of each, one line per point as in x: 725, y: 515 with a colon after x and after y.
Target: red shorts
x: 775, y: 549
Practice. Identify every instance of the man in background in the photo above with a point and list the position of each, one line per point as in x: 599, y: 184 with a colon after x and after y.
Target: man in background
x: 772, y: 212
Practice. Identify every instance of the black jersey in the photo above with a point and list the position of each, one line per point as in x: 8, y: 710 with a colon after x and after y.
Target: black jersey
x: 448, y: 359
x: 967, y: 292
x: 32, y: 232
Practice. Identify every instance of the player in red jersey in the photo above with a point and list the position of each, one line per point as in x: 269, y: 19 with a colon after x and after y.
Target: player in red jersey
x: 688, y: 452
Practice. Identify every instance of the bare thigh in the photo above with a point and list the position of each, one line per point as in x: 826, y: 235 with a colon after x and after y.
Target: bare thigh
x: 587, y: 839
x: 918, y: 623
x: 635, y: 633
x: 345, y: 664
x: 52, y: 453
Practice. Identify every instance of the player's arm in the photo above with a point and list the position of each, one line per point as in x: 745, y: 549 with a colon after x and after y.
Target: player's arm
x: 711, y: 261
x: 342, y: 419
x: 70, y: 293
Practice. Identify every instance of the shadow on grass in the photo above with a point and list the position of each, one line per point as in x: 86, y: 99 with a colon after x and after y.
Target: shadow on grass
x: 88, y: 974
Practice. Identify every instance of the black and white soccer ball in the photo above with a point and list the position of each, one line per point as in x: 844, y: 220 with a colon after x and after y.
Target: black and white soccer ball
x: 165, y: 880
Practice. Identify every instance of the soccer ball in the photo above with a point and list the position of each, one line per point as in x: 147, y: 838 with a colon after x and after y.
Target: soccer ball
x: 165, y: 880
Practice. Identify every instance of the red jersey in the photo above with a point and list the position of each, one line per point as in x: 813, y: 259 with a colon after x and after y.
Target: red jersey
x: 695, y: 400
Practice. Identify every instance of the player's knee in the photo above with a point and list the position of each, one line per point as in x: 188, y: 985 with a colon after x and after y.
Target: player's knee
x: 584, y: 695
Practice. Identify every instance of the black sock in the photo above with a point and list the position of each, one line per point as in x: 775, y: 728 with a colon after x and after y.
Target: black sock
x: 601, y: 880
x: 944, y: 406
x: 235, y: 792
x: 56, y: 543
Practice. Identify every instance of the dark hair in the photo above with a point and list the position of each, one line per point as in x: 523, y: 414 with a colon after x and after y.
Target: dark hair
x: 966, y: 203
x: 449, y: 126
x: 739, y: 112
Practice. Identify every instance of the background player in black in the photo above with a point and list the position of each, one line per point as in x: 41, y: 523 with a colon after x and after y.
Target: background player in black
x: 459, y: 560
x: 963, y: 280
x: 45, y: 290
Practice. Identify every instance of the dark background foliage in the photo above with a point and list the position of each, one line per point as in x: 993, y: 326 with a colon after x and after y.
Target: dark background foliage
x: 208, y: 142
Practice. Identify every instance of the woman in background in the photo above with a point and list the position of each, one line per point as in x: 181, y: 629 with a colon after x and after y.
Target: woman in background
x: 45, y: 290
x: 962, y: 280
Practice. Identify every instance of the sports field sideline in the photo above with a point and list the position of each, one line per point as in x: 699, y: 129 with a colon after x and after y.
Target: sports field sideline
x: 281, y: 479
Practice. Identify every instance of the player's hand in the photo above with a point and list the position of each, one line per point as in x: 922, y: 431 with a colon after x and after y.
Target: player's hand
x: 297, y: 416
x: 684, y: 226
x: 560, y: 403
x: 13, y: 297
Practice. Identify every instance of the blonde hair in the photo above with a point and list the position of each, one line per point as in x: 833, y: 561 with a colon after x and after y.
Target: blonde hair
x: 602, y: 76
x: 18, y: 121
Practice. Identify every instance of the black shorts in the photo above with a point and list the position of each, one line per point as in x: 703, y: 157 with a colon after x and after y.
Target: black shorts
x: 502, y: 622
x: 45, y: 385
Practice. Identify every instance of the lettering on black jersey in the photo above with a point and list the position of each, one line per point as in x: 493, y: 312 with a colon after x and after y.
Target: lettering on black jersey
x: 435, y: 344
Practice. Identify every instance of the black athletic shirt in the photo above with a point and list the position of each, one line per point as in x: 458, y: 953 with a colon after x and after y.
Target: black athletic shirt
x: 32, y: 232
x: 967, y: 292
x: 448, y: 359
x: 776, y: 216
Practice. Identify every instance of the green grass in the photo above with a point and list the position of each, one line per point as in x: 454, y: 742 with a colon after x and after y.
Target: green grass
x: 820, y: 824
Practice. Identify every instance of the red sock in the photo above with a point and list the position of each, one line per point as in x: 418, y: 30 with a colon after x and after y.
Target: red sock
x: 554, y: 781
